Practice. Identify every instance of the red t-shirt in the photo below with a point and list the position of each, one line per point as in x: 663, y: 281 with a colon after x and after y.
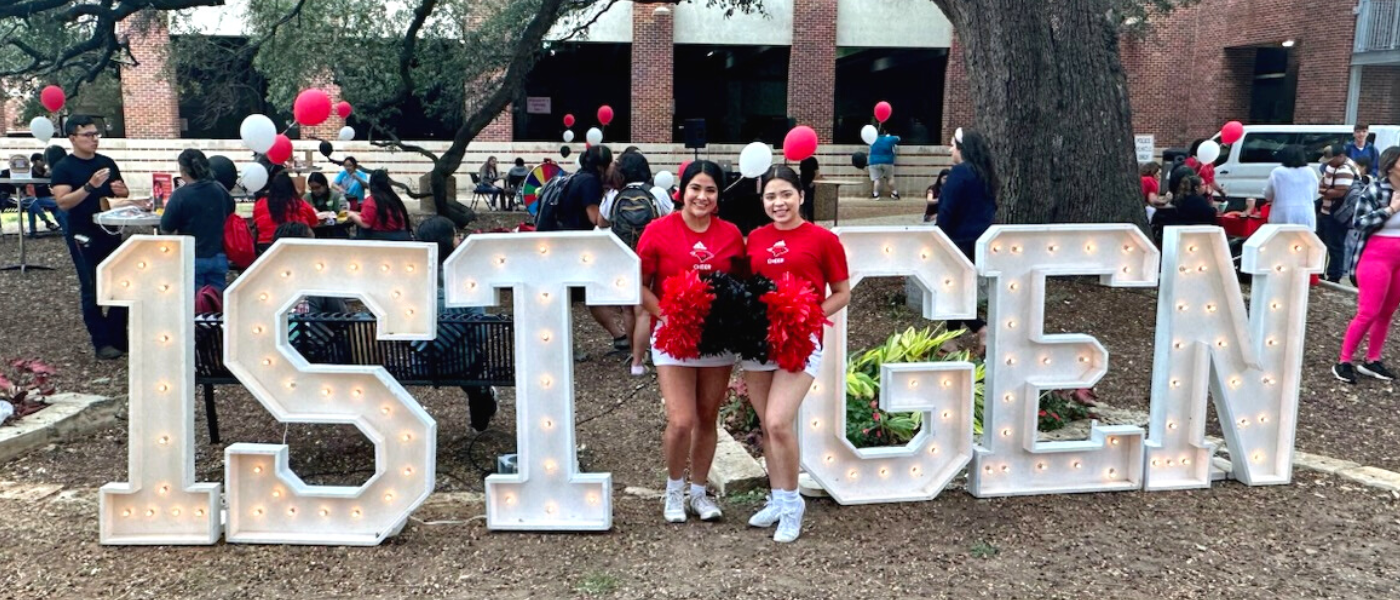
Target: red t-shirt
x: 376, y: 220
x: 262, y: 218
x: 1149, y: 187
x: 669, y: 246
x: 808, y: 252
x: 1205, y: 170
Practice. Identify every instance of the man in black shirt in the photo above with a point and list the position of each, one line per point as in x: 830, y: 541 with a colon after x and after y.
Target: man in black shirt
x: 79, y: 183
x: 579, y: 210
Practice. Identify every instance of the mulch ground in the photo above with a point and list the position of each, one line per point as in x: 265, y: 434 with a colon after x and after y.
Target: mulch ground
x: 1318, y: 538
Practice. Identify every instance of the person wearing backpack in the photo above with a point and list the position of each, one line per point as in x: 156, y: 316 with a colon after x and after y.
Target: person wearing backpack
x: 627, y: 209
x: 200, y: 209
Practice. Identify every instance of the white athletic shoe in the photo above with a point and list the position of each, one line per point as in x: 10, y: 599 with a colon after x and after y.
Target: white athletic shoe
x: 704, y: 507
x: 790, y: 525
x: 768, y: 516
x: 675, y: 506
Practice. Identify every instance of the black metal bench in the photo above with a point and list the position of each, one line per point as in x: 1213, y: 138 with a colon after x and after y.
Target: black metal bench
x: 471, y: 350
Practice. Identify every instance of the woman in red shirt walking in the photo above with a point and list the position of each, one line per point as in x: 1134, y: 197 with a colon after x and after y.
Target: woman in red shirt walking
x: 692, y: 239
x: 282, y: 205
x: 816, y: 256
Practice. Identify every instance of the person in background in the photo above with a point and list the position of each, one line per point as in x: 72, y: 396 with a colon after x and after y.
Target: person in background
x: 580, y: 209
x: 693, y: 239
x: 40, y: 195
x: 487, y: 177
x: 1291, y: 188
x: 281, y: 205
x: 1205, y: 170
x: 515, y: 179
x: 383, y: 215
x: 882, y: 166
x: 327, y: 200
x: 968, y: 207
x: 79, y: 183
x: 1360, y: 147
x: 352, y: 182
x: 809, y: 170
x: 790, y: 246
x: 932, y: 194
x: 199, y: 209
x: 1377, y: 274
x: 1150, y: 173
x: 481, y: 400
x: 1337, y: 176
x: 1355, y: 238
x: 633, y: 170
x: 1192, y: 206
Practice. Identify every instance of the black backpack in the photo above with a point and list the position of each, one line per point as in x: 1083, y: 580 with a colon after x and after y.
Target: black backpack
x: 547, y: 218
x: 632, y: 209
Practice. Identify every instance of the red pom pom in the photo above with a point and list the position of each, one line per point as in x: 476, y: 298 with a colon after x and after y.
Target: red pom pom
x: 795, y: 321
x: 685, y: 302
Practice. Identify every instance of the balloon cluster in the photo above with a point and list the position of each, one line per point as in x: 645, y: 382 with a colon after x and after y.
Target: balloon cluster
x: 53, y: 99
x: 311, y: 108
x: 1209, y: 151
x: 798, y: 145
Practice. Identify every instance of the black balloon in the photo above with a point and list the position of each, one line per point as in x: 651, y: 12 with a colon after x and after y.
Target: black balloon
x: 859, y: 160
x: 224, y: 171
x: 564, y: 151
x: 326, y: 148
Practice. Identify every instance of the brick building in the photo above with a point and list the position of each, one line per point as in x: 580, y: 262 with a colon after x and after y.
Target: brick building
x: 825, y: 63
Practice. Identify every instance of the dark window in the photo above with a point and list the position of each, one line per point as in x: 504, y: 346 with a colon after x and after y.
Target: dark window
x: 740, y: 92
x: 911, y: 80
x: 1264, y: 147
x: 577, y: 78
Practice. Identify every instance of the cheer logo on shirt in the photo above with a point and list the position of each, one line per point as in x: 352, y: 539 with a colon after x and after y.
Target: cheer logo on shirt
x: 778, y: 250
x: 703, y: 255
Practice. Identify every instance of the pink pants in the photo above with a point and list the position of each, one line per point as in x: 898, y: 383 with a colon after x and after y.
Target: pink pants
x: 1378, y: 277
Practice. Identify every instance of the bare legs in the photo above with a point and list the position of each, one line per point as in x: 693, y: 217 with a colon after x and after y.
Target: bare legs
x: 776, y: 397
x: 693, y: 396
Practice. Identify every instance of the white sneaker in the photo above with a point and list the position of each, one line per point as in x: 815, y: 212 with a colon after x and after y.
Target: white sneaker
x: 768, y: 516
x: 790, y: 525
x: 675, y: 506
x: 704, y: 507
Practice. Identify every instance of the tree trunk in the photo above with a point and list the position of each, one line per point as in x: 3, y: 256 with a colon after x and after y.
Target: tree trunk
x: 1049, y: 91
x: 460, y: 213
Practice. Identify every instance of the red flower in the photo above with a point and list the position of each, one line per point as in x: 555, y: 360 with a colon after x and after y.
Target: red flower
x: 865, y: 431
x: 1057, y: 417
x: 1042, y: 413
x: 875, y: 416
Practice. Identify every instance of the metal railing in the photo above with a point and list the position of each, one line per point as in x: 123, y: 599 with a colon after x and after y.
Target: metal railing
x: 1378, y: 26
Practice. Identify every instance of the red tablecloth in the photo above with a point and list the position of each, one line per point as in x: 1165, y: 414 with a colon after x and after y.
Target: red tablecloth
x: 1240, y: 226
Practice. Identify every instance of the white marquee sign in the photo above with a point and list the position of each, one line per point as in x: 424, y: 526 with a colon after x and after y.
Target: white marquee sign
x: 1206, y: 341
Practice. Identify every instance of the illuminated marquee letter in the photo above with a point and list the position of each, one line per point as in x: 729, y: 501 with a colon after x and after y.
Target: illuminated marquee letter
x: 943, y: 391
x: 547, y: 492
x: 1022, y: 360
x: 161, y: 504
x: 1250, y: 360
x: 267, y: 502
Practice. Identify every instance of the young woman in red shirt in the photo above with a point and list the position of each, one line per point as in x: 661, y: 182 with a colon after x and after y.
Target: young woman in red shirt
x: 282, y: 205
x: 382, y: 215
x: 692, y: 239
x: 790, y: 245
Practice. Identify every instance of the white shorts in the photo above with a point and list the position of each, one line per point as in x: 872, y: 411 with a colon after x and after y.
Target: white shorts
x: 878, y: 172
x: 662, y: 359
x: 814, y: 364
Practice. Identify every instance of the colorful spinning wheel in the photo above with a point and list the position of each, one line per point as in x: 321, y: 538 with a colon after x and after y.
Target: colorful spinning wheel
x: 534, y: 182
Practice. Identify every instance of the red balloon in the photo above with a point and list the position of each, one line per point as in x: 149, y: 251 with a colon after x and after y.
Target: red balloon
x: 343, y: 109
x: 568, y: 120
x: 52, y: 98
x: 605, y: 115
x: 800, y: 143
x: 1232, y: 132
x: 883, y: 111
x: 312, y: 107
x: 281, y: 149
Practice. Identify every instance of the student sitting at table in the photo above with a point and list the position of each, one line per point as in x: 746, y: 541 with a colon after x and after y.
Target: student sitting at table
x: 481, y: 400
x: 352, y: 182
x: 1192, y: 207
x: 280, y: 206
x: 383, y: 215
x: 321, y: 196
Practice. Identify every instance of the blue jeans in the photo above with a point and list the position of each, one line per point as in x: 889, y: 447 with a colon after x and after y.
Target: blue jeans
x: 37, y: 206
x: 211, y: 271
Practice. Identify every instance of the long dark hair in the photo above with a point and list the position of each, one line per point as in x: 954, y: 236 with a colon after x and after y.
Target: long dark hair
x: 631, y: 167
x: 381, y: 189
x: 977, y: 153
x: 281, y: 197
x: 939, y: 181
x: 702, y: 166
x: 1187, y: 186
x: 195, y: 164
x: 441, y: 231
x: 1388, y: 160
x: 318, y: 177
x: 784, y: 173
x: 596, y: 159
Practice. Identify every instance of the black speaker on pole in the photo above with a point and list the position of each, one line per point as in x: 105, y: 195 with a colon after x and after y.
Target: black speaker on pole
x: 695, y: 133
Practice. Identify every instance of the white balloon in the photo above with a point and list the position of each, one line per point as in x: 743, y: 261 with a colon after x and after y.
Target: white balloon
x: 664, y: 180
x: 869, y: 134
x: 568, y: 136
x: 347, y: 133
x: 957, y: 135
x: 1208, y: 152
x: 254, y: 177
x: 755, y: 160
x: 595, y: 136
x: 41, y: 128
x: 258, y: 133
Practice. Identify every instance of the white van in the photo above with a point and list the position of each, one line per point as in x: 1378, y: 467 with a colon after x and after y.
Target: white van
x: 1244, y: 166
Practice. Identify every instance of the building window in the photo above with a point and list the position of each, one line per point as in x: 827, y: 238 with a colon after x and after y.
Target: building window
x: 217, y: 86
x: 911, y: 80
x: 576, y: 78
x: 740, y: 92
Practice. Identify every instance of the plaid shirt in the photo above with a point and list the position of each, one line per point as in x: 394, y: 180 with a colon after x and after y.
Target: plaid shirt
x: 1372, y: 211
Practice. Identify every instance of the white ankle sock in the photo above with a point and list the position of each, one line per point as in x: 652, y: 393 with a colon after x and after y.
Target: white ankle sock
x: 697, y: 490
x: 786, y: 497
x: 675, y: 485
